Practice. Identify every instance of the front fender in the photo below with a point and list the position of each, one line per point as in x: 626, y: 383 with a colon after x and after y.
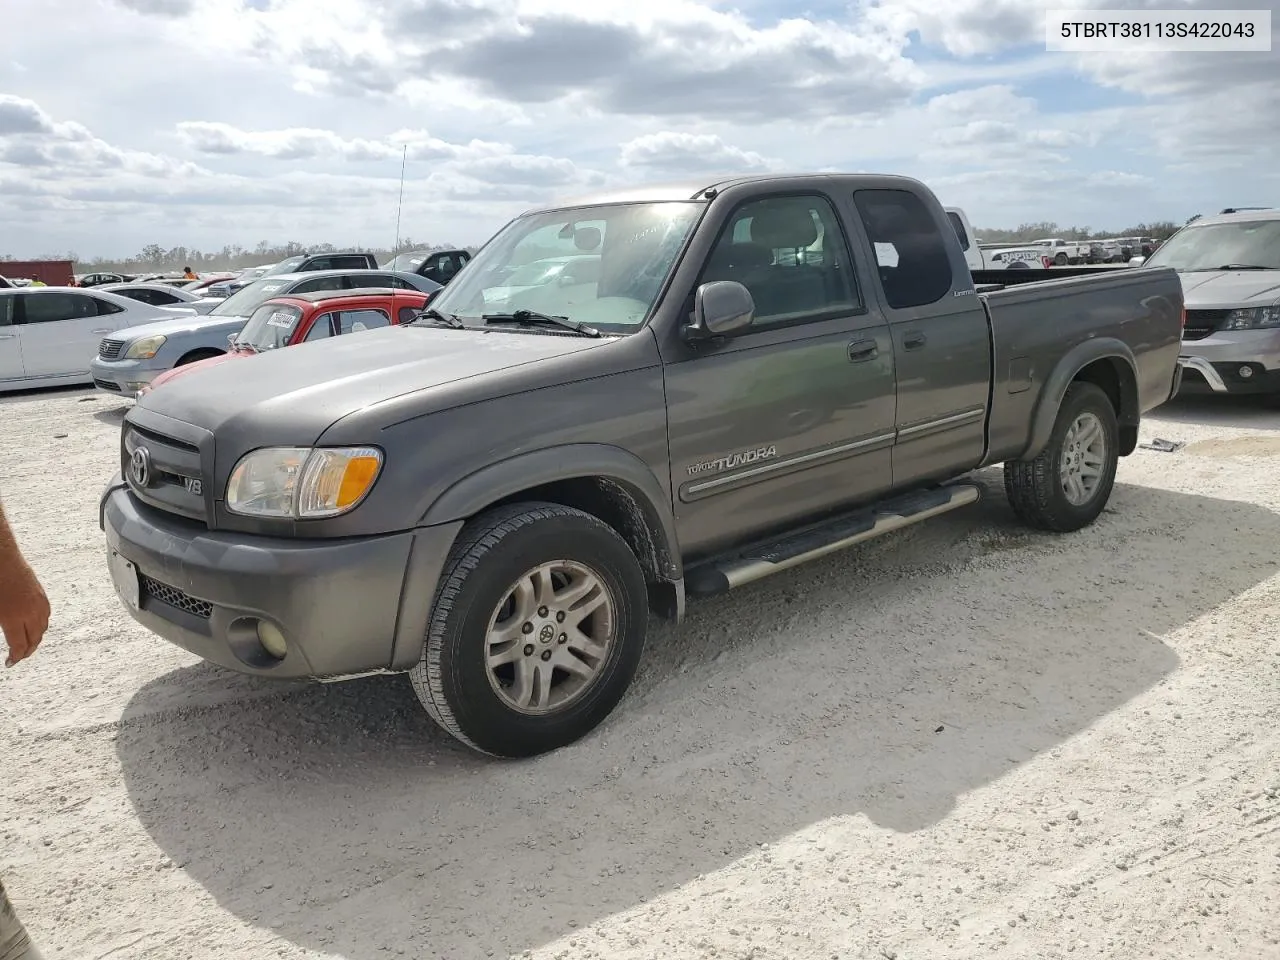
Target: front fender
x: 1055, y: 387
x: 473, y: 493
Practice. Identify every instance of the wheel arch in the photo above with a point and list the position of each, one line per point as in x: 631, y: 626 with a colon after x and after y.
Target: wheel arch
x: 1107, y: 363
x: 606, y: 481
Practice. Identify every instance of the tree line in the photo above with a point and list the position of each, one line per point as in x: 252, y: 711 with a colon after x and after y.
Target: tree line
x: 154, y: 258
x: 1159, y: 230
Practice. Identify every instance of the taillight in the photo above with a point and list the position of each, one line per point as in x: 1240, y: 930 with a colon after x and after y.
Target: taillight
x: 1182, y: 320
x: 1046, y: 261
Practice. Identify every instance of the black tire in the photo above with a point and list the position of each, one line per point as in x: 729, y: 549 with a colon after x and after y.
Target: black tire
x: 196, y: 355
x: 494, y: 550
x: 1034, y: 487
x: 1060, y: 259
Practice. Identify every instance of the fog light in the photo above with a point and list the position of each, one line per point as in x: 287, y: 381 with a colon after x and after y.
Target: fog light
x: 272, y: 639
x: 1246, y: 373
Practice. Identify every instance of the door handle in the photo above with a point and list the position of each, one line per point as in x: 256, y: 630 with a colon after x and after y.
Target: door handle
x: 914, y: 341
x: 860, y: 350
x: 8, y: 336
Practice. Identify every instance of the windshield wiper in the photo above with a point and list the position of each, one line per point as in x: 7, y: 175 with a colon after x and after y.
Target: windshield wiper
x: 1243, y: 266
x: 438, y: 318
x: 532, y: 316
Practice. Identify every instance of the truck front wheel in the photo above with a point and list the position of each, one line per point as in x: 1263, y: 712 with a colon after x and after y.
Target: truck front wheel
x: 1067, y: 486
x: 537, y: 629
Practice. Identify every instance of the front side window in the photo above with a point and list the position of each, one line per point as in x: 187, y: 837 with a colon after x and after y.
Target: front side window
x: 270, y: 327
x: 914, y: 265
x: 52, y: 307
x: 1242, y: 245
x: 635, y: 246
x: 958, y: 225
x: 791, y: 254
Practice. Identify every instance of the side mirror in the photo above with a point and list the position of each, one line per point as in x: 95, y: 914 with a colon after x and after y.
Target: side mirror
x: 1137, y: 261
x: 231, y: 338
x: 720, y: 307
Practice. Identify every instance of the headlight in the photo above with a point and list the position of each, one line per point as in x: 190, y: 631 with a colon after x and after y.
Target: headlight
x: 145, y: 348
x: 302, y: 482
x: 1254, y: 318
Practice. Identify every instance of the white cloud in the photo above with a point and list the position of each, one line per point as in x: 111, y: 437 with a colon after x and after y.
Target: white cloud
x: 301, y: 143
x: 673, y: 152
x: 216, y: 121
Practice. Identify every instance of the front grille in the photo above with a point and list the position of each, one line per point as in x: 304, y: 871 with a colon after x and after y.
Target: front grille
x: 110, y: 349
x: 1202, y: 323
x: 106, y: 385
x: 173, y: 482
x: 162, y: 592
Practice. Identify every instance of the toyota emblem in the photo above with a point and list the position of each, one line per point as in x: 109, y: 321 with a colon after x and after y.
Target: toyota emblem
x: 140, y: 466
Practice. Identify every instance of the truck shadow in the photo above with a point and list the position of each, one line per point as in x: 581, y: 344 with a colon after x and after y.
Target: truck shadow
x: 1251, y: 413
x: 885, y: 682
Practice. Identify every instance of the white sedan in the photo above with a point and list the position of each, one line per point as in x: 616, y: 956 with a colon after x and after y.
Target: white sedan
x: 48, y: 335
x: 160, y: 294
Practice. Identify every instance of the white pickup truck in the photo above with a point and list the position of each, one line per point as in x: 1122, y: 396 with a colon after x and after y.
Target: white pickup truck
x: 994, y: 258
x: 1062, y: 252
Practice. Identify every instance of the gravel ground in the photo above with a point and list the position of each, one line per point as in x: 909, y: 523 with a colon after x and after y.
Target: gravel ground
x: 963, y: 740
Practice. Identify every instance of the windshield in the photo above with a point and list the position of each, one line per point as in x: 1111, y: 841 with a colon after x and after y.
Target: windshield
x: 602, y: 266
x: 244, y: 301
x: 285, y: 266
x: 271, y: 326
x: 1253, y: 243
x: 409, y: 262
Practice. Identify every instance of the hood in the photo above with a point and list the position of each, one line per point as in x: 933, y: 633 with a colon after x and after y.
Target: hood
x: 187, y: 323
x: 169, y: 375
x: 1228, y: 289
x: 299, y: 391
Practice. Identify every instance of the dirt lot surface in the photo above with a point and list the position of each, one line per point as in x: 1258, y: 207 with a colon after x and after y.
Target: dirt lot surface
x: 965, y: 740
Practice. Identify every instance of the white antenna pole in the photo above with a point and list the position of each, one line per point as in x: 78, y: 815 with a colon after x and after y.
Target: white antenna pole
x: 400, y: 206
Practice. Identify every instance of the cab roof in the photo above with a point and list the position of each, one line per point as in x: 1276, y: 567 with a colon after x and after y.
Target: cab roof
x: 705, y: 188
x: 320, y: 296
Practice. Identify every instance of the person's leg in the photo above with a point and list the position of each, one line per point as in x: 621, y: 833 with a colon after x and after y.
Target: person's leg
x: 14, y: 942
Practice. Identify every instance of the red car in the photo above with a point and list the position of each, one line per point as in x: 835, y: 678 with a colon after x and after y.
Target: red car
x: 306, y: 317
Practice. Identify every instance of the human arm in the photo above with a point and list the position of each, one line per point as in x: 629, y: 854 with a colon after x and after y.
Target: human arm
x: 24, y: 608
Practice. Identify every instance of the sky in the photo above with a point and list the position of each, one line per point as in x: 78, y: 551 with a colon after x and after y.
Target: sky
x: 208, y: 122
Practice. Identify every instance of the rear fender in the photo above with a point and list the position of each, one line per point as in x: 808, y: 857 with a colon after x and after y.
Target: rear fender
x: 1067, y: 370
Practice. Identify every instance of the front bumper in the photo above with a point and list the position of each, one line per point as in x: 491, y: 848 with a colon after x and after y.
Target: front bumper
x: 122, y: 378
x: 346, y: 607
x: 1232, y: 362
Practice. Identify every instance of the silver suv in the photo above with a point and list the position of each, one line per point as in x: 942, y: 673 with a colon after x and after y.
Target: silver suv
x: 1230, y: 270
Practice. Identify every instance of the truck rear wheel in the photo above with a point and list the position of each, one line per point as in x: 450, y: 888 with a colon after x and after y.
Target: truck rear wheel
x: 1061, y: 259
x: 537, y: 629
x: 1067, y: 486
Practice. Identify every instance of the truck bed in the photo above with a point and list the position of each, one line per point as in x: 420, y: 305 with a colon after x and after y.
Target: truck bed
x: 1036, y: 322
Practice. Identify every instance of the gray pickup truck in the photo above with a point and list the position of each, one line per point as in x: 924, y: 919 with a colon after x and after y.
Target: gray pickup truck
x: 494, y: 498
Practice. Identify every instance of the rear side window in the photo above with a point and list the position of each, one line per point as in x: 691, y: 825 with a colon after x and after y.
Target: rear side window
x: 914, y: 267
x: 6, y: 311
x: 958, y: 224
x: 106, y: 307
x: 52, y: 307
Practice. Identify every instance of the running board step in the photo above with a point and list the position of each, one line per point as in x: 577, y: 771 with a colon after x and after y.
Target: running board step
x: 774, y: 556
